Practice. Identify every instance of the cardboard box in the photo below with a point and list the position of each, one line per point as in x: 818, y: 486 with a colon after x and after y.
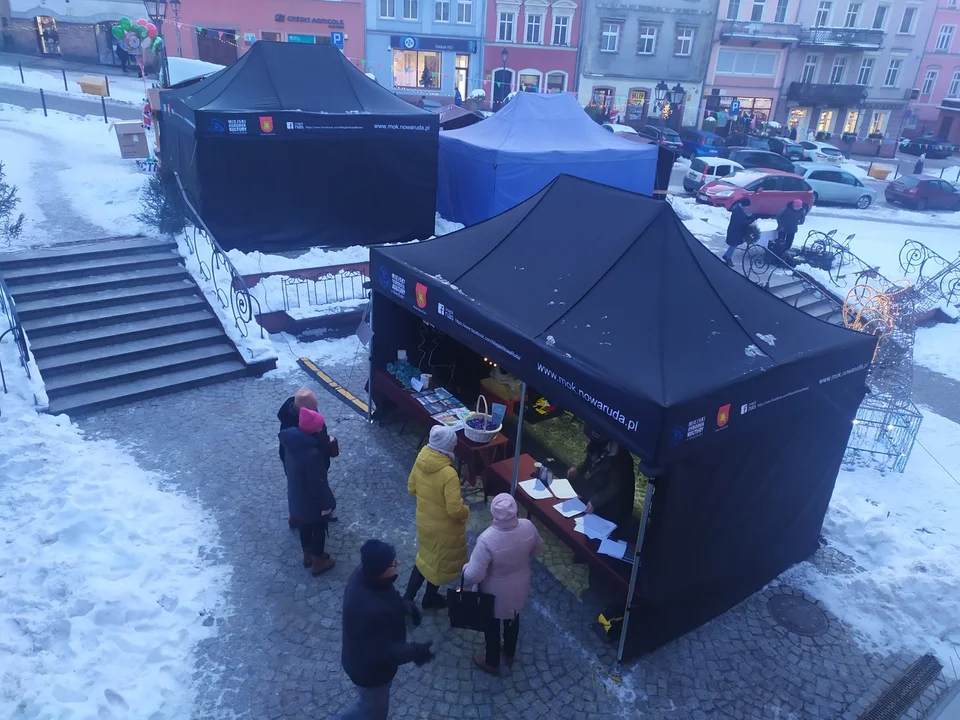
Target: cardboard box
x: 153, y: 96
x: 132, y: 139
x: 93, y: 85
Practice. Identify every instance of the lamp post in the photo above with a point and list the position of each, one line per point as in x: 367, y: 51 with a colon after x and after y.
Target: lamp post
x: 157, y: 10
x: 176, y: 20
x: 677, y: 96
x: 503, y: 74
x: 659, y: 96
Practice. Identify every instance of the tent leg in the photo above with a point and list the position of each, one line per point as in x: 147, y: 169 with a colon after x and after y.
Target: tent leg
x: 370, y: 368
x: 647, y: 501
x: 516, y: 452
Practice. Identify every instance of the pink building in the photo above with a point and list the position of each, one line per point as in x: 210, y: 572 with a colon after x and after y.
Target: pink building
x: 938, y: 108
x: 219, y: 31
x: 531, y: 46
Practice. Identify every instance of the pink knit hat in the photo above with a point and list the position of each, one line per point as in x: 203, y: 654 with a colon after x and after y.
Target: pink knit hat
x: 503, y: 508
x: 311, y: 422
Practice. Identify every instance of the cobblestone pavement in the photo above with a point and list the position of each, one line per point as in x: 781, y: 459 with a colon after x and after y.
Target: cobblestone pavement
x: 277, y: 654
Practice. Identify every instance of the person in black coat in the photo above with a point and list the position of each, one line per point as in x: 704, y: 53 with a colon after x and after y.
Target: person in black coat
x: 605, y: 479
x: 375, y: 632
x: 788, y: 221
x: 289, y: 417
x: 740, y: 222
x: 306, y: 463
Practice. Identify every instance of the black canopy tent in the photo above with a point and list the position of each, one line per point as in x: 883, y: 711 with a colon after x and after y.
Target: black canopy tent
x: 744, y: 402
x: 293, y: 147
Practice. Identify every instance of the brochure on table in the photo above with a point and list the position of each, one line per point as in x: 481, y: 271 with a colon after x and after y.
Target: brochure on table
x: 443, y: 407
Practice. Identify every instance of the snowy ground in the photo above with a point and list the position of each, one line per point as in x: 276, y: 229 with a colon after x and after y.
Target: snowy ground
x: 122, y: 89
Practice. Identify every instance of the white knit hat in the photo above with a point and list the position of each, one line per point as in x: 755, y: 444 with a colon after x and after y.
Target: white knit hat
x: 442, y: 439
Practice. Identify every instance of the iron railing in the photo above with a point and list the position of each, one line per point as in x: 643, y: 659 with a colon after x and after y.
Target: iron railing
x: 842, y: 37
x: 14, y: 328
x: 782, y: 32
x: 937, y: 279
x: 330, y: 288
x: 236, y: 297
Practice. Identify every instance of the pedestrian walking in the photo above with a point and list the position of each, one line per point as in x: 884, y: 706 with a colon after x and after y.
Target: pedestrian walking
x: 307, y: 462
x: 918, y: 168
x: 123, y: 56
x: 457, y: 97
x: 788, y: 221
x: 375, y: 632
x: 441, y: 518
x: 500, y: 565
x: 737, y: 228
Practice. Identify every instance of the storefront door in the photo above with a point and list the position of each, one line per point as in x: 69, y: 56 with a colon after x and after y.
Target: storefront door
x: 47, y: 36
x: 825, y: 121
x: 462, y: 73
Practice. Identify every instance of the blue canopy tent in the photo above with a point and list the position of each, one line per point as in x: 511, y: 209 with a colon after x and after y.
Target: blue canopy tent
x: 491, y: 166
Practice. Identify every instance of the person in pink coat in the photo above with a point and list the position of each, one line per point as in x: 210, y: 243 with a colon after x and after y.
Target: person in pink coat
x: 500, y: 565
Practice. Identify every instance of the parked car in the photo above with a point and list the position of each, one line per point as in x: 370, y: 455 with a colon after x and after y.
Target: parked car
x: 922, y: 192
x: 750, y: 158
x: 769, y: 191
x: 700, y: 143
x: 831, y: 184
x: 704, y: 170
x: 746, y: 141
x: 786, y: 147
x: 935, y: 149
x: 664, y: 137
x: 821, y: 152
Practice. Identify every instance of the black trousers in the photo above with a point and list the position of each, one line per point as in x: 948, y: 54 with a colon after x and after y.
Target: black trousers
x: 416, y: 582
x: 313, y: 537
x: 511, y: 631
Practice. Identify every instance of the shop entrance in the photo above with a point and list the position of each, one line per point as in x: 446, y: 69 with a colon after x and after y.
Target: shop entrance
x: 217, y: 46
x: 47, y: 35
x: 462, y: 72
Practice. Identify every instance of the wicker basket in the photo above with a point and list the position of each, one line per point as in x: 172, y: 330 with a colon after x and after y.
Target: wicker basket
x: 480, y: 436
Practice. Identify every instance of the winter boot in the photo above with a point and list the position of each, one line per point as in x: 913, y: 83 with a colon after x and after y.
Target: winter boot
x: 481, y: 662
x: 321, y: 564
x: 433, y: 601
x: 292, y: 522
x: 307, y: 558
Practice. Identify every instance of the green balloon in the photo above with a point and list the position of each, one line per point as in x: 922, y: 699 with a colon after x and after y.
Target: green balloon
x: 117, y: 32
x: 125, y: 23
x: 140, y: 30
x: 157, y: 44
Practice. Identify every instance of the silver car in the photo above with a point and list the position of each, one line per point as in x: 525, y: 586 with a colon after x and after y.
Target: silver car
x: 835, y: 185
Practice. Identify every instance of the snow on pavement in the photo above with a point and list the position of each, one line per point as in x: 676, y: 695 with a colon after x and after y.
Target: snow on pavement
x: 938, y: 348
x: 122, y: 89
x: 903, y: 530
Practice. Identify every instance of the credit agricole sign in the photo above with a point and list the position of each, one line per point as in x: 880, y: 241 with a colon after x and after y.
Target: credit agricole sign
x: 280, y: 17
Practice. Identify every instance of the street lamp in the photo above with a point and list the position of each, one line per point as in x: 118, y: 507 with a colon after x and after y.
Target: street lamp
x: 503, y: 74
x: 659, y: 96
x: 157, y: 10
x: 176, y: 19
x: 677, y: 96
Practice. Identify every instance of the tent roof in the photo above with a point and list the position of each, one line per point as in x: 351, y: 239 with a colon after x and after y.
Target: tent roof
x: 451, y: 113
x: 611, y: 286
x: 534, y: 123
x: 295, y: 77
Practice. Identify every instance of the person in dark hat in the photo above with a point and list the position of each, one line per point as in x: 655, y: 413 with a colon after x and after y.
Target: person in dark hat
x: 738, y: 228
x: 375, y: 632
x: 789, y: 221
x: 605, y: 480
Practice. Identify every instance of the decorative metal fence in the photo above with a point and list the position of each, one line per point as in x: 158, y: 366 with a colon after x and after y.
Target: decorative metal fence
x: 936, y: 280
x: 327, y: 289
x: 14, y: 329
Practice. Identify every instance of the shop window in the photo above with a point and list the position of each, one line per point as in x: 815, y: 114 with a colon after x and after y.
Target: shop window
x: 304, y: 39
x: 825, y: 121
x: 556, y: 82
x: 878, y: 123
x: 529, y: 81
x: 462, y: 69
x: 48, y: 36
x: 602, y: 96
x: 850, y: 124
x: 271, y: 36
x: 636, y: 105
x: 417, y: 70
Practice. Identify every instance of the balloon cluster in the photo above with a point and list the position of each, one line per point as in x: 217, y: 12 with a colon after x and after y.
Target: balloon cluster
x: 137, y: 37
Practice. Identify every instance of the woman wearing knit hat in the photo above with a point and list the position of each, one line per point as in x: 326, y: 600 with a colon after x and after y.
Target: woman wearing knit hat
x: 306, y: 463
x: 500, y: 564
x: 441, y: 518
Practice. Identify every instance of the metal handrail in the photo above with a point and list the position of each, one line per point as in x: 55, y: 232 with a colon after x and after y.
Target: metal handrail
x: 943, y: 283
x: 760, y: 264
x: 9, y: 308
x: 240, y: 301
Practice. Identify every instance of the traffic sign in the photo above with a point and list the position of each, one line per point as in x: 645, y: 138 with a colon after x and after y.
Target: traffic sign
x: 735, y: 106
x: 336, y: 38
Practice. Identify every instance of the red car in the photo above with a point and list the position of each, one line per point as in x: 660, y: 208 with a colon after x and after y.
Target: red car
x: 922, y: 192
x: 770, y: 191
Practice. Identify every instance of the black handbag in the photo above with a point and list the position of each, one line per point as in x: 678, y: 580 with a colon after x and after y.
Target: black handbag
x: 469, y: 610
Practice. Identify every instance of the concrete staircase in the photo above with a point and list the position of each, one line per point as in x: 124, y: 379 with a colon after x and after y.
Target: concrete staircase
x: 792, y: 289
x: 117, y: 321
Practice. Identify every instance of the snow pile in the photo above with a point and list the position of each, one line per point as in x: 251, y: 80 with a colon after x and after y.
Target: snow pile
x: 274, y: 293
x: 108, y: 584
x: 312, y: 311
x: 903, y: 530
x: 950, y: 174
x: 27, y: 392
x: 187, y: 69
x: 341, y: 352
x: 938, y: 348
x: 854, y: 169
x: 122, y: 89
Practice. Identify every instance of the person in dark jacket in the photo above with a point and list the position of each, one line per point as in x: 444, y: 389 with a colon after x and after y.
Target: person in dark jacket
x: 740, y: 221
x: 788, y: 221
x: 375, y: 632
x: 605, y: 479
x: 793, y: 133
x: 289, y: 417
x: 306, y: 463
x: 918, y: 167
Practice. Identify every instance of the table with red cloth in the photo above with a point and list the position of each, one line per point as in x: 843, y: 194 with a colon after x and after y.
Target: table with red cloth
x: 498, y: 478
x: 476, y: 456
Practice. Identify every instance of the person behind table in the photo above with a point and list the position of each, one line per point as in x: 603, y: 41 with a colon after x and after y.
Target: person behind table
x: 500, y: 564
x: 788, y: 222
x: 375, y: 632
x: 605, y: 479
x: 441, y: 518
x: 307, y: 453
x: 289, y: 417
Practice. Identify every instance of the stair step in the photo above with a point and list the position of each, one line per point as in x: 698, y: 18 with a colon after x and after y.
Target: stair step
x: 89, y: 267
x: 142, y: 388
x: 55, y: 365
x: 788, y: 292
x: 106, y: 316
x: 81, y: 379
x: 108, y: 248
x: 120, y: 332
x: 39, y: 289
x: 45, y: 307
x: 825, y: 310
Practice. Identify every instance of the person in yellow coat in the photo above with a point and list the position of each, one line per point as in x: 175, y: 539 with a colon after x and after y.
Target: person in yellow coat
x: 441, y: 518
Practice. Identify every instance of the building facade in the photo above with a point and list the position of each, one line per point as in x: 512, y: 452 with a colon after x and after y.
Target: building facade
x: 59, y: 28
x: 629, y: 48
x: 219, y: 31
x: 531, y: 46
x: 426, y: 49
x: 938, y: 78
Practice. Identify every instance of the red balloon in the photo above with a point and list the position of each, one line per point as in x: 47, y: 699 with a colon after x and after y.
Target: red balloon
x: 151, y: 30
x: 143, y: 22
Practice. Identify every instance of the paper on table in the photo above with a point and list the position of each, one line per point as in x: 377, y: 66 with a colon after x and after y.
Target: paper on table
x: 613, y: 548
x: 569, y: 508
x: 562, y: 489
x: 535, y: 489
x: 594, y: 527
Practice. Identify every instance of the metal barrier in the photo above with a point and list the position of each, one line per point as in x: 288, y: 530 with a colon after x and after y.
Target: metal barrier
x: 9, y: 308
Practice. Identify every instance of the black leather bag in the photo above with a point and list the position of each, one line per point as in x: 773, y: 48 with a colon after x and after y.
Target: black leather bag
x: 469, y: 610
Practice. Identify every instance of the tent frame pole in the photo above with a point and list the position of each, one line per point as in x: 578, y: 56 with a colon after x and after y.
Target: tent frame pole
x: 370, y: 363
x: 516, y: 451
x: 647, y: 502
